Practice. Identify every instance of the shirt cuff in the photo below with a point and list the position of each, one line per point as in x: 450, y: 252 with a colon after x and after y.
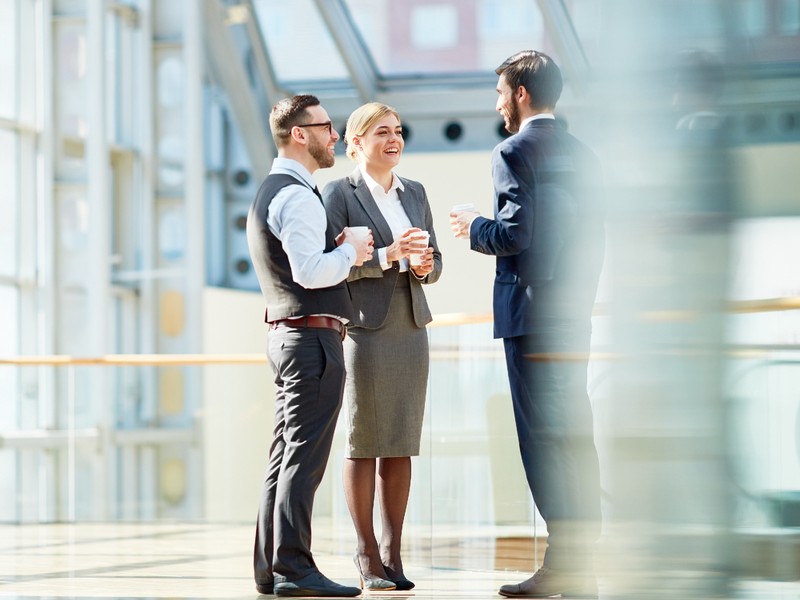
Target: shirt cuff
x: 382, y: 259
x: 350, y: 253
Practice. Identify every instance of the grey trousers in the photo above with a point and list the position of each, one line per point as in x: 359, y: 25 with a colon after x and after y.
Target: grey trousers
x: 309, y: 378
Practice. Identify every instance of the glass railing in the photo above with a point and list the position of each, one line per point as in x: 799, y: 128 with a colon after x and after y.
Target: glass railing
x: 185, y: 437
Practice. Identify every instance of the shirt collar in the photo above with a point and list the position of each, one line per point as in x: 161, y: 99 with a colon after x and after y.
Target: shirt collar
x: 372, y: 184
x: 281, y: 164
x: 536, y: 118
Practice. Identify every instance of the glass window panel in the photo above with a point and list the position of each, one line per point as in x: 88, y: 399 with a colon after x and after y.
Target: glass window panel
x: 9, y: 173
x: 169, y: 19
x: 71, y: 73
x: 8, y: 485
x: 789, y: 17
x: 170, y: 90
x: 660, y: 24
x: 434, y: 27
x: 70, y: 102
x: 113, y: 69
x: 447, y: 37
x: 9, y: 345
x: 8, y: 59
x: 298, y: 41
x: 754, y: 17
x: 9, y: 317
x: 587, y: 18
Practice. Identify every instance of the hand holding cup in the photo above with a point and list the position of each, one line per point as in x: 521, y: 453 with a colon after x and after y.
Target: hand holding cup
x: 420, y: 239
x: 461, y: 217
x: 412, y: 241
x: 361, y: 239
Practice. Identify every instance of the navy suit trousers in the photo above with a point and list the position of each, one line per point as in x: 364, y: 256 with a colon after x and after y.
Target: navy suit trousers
x: 555, y: 430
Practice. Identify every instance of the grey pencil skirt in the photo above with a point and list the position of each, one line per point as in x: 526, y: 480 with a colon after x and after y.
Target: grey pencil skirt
x: 387, y: 381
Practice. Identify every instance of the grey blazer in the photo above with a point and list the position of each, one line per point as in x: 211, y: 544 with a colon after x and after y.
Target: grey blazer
x: 349, y: 203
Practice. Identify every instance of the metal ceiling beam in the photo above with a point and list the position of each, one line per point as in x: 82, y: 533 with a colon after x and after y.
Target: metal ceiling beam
x: 349, y: 42
x: 263, y: 62
x: 570, y: 50
x: 227, y: 68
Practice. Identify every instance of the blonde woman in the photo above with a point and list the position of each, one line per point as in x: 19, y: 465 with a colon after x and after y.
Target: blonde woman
x: 386, y: 352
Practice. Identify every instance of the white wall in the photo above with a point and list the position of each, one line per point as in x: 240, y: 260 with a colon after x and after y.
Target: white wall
x: 239, y: 404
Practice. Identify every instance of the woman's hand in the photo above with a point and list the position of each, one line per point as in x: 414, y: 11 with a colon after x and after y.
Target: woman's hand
x: 405, y: 245
x: 426, y: 264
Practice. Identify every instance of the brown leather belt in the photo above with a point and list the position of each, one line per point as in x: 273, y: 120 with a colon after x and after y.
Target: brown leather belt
x: 316, y: 321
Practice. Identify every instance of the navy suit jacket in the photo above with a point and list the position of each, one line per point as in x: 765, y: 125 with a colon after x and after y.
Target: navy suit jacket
x: 349, y: 203
x: 547, y: 234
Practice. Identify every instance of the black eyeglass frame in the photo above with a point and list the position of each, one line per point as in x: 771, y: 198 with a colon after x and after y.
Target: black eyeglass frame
x: 328, y: 124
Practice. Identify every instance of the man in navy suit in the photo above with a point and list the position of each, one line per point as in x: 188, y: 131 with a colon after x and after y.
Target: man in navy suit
x: 548, y: 237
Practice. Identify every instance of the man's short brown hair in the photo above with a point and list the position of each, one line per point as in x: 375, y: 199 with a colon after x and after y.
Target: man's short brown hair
x: 288, y: 113
x: 537, y: 73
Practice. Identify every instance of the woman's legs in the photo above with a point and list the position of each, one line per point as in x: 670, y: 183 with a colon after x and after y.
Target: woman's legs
x: 394, y: 483
x: 359, y: 491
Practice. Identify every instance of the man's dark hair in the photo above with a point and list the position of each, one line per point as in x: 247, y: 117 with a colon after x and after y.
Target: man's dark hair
x: 537, y: 73
x: 288, y: 113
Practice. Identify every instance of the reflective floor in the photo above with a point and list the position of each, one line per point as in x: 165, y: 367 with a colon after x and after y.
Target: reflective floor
x: 182, y: 560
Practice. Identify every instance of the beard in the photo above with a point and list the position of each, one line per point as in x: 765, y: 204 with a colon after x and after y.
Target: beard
x: 319, y: 152
x: 512, y: 118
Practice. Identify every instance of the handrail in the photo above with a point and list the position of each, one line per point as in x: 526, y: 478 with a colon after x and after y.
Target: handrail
x: 758, y: 305
x: 158, y: 360
x: 442, y: 320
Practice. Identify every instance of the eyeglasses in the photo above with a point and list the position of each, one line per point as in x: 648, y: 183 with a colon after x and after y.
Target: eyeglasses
x: 327, y: 124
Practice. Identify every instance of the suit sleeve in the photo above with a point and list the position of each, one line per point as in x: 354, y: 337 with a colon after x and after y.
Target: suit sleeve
x: 510, y: 232
x: 336, y: 199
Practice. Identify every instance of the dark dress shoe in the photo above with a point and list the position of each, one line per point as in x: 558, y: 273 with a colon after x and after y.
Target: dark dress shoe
x: 315, y: 584
x: 402, y: 584
x: 371, y: 582
x: 549, y: 582
x: 264, y: 588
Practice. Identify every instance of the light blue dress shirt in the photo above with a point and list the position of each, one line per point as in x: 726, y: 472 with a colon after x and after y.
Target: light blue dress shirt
x: 297, y: 218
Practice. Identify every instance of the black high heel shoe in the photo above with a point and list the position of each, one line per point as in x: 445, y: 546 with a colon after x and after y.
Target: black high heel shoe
x: 402, y: 584
x: 370, y: 582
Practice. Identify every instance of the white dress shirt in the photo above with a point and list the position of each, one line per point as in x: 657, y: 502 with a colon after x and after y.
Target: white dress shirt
x: 301, y: 230
x: 392, y: 210
x: 536, y: 117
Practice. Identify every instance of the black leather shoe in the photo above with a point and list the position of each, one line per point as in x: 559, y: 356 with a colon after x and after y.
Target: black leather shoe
x: 401, y: 583
x: 315, y: 584
x: 549, y: 582
x: 264, y: 588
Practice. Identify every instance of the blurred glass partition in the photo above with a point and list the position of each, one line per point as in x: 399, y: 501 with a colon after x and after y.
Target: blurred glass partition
x: 173, y: 457
x: 477, y: 488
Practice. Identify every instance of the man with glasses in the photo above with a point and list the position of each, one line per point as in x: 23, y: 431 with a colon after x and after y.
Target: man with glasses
x: 301, y: 266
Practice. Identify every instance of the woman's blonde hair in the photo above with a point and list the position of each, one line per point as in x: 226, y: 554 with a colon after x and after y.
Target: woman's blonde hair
x: 361, y: 120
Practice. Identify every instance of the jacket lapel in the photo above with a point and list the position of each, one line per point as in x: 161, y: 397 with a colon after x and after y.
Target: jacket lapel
x: 380, y: 229
x: 412, y: 207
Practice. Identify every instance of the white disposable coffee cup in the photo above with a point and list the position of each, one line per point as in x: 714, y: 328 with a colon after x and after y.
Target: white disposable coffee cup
x: 468, y: 207
x: 361, y: 232
x: 419, y: 236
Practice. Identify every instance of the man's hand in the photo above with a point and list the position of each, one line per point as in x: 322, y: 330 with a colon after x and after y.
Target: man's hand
x: 362, y: 243
x: 460, y: 222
